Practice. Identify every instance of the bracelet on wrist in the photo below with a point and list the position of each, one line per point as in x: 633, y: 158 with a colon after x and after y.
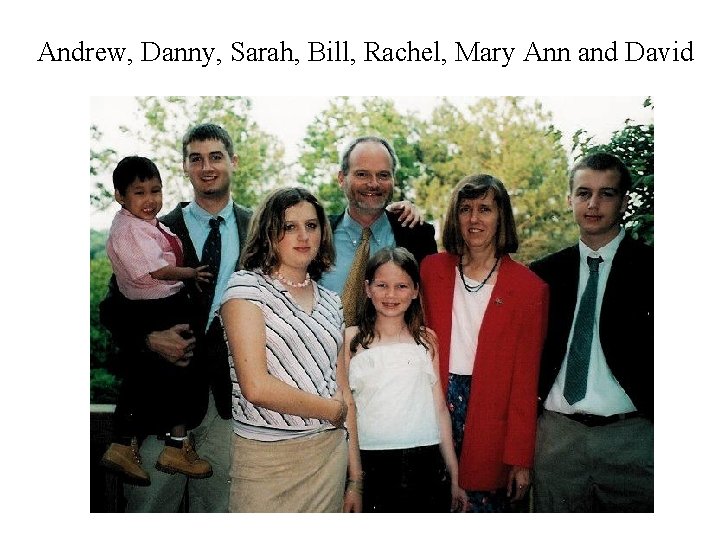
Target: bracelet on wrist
x: 343, y: 410
x: 354, y: 485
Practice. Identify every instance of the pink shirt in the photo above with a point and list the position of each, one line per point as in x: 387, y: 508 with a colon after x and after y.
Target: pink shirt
x: 135, y: 248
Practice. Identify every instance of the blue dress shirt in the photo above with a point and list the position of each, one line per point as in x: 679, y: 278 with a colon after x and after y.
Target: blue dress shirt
x: 346, y: 238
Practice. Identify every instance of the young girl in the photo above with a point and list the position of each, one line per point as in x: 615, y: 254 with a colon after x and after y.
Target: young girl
x: 400, y: 427
x: 147, y: 260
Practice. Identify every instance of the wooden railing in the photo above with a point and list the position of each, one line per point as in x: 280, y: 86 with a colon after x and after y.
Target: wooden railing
x: 106, y: 489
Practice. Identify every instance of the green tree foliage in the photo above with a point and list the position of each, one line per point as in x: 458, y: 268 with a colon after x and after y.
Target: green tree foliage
x: 635, y: 145
x: 100, y: 161
x: 166, y: 119
x: 103, y: 385
x: 512, y: 140
x: 345, y: 119
x: 97, y: 243
x: 508, y: 138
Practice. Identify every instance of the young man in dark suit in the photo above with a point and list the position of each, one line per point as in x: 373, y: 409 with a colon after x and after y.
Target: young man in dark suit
x: 595, y: 433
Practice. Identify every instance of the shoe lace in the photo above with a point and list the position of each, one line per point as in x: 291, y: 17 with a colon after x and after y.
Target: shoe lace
x: 135, y: 450
x: 190, y: 452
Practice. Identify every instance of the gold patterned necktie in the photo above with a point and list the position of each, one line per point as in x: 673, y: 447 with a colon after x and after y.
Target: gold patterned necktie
x: 353, y: 290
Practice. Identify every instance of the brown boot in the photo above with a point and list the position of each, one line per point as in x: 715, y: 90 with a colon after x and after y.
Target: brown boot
x: 125, y: 460
x: 183, y: 460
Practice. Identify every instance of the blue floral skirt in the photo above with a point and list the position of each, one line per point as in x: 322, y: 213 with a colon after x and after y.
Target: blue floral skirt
x: 457, y: 400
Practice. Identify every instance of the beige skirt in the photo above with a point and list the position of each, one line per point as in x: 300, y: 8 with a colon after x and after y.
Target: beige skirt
x: 299, y: 475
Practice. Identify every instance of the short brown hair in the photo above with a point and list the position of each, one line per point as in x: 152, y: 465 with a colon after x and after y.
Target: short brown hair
x: 207, y: 132
x: 603, y: 161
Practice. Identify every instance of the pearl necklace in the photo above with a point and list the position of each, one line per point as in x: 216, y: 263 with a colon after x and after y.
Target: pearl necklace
x: 282, y: 279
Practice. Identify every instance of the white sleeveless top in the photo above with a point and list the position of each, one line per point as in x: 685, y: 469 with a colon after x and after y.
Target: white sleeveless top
x: 392, y: 387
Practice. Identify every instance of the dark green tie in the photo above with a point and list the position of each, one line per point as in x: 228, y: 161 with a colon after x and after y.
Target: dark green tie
x: 579, y: 353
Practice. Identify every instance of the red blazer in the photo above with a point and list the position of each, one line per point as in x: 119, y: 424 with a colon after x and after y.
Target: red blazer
x: 501, y: 417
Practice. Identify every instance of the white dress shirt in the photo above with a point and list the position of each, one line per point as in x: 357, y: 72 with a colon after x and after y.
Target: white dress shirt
x: 604, y: 396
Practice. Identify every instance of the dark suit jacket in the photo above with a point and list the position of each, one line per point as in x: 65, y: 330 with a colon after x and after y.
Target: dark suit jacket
x: 209, y: 367
x: 626, y: 318
x: 174, y: 220
x: 420, y: 240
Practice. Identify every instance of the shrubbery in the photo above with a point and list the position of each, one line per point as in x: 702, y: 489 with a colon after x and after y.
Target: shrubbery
x: 103, y: 384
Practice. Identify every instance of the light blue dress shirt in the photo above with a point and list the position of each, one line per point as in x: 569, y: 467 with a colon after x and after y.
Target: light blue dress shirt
x: 198, y: 224
x: 346, y: 238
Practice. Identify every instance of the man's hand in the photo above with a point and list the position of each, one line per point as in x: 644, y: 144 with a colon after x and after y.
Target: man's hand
x: 408, y: 214
x: 172, y: 345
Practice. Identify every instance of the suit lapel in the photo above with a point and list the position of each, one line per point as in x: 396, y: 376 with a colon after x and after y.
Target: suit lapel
x: 334, y: 220
x: 176, y: 222
x: 568, y: 277
x: 444, y: 283
x: 500, y: 306
x: 241, y: 220
x: 443, y: 288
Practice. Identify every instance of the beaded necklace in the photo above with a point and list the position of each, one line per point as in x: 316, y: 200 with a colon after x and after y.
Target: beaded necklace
x: 476, y: 288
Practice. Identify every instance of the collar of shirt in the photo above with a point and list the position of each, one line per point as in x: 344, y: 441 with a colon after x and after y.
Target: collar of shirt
x: 346, y: 238
x: 380, y: 229
x: 203, y: 216
x: 197, y: 220
x: 125, y: 213
x: 607, y: 252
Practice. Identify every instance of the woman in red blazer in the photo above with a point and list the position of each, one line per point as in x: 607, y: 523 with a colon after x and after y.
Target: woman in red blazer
x: 490, y: 316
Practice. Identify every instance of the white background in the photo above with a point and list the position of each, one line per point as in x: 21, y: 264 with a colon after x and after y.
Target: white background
x: 43, y: 214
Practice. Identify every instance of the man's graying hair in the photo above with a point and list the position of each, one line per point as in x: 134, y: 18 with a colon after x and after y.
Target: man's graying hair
x: 345, y: 157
